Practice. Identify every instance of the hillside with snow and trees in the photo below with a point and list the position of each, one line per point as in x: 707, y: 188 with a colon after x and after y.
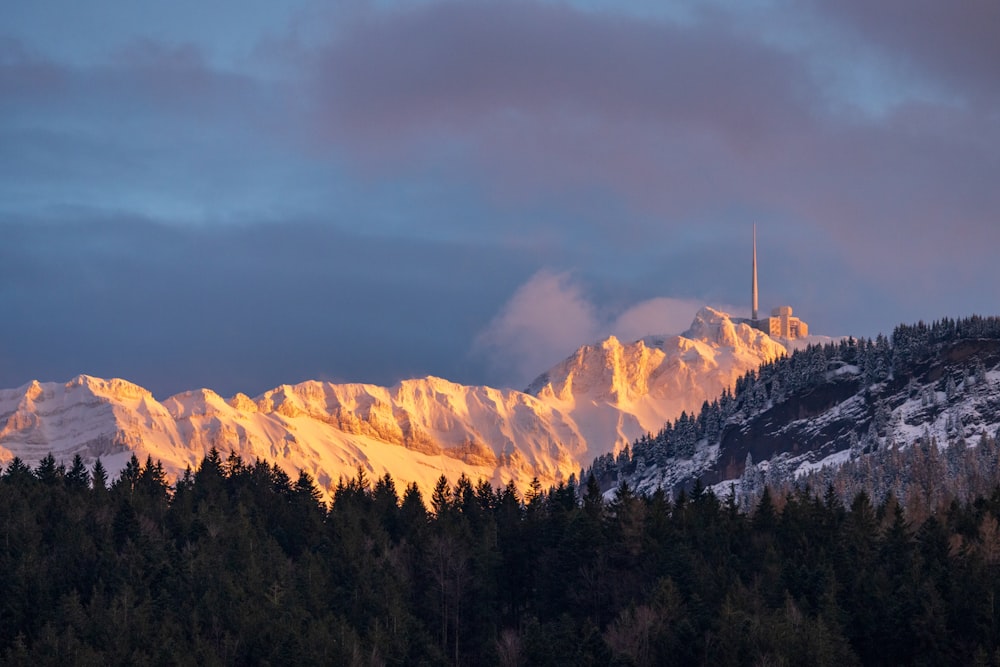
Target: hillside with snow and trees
x: 914, y: 415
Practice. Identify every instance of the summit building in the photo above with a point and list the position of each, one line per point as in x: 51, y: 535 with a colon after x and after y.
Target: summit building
x: 781, y: 323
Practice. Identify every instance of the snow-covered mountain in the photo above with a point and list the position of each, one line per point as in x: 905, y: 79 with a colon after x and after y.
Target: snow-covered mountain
x: 596, y: 401
x: 416, y: 430
x: 618, y: 392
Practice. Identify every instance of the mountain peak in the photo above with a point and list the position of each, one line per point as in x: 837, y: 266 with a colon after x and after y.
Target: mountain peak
x: 721, y: 329
x: 112, y: 388
x: 618, y: 392
x: 712, y: 326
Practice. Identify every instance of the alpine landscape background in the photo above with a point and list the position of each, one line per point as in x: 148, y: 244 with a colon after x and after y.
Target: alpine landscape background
x: 380, y: 333
x: 597, y: 401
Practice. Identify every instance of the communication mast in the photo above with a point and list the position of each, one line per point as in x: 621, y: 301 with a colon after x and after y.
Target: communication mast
x: 754, y: 315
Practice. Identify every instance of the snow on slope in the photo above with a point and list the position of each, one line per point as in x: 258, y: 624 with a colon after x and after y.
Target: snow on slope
x: 597, y: 400
x: 416, y: 430
x: 615, y: 393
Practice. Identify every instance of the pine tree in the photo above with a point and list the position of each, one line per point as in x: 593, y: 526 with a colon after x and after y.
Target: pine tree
x: 99, y: 476
x: 129, y: 478
x: 307, y: 492
x: 48, y: 472
x: 18, y: 473
x: 152, y: 481
x: 593, y: 500
x: 412, y: 511
x: 77, y: 479
x: 441, y: 497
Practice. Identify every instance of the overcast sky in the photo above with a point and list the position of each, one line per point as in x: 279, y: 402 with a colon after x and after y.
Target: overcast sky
x: 238, y: 194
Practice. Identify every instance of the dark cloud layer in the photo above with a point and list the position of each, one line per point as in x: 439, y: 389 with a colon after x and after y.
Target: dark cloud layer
x: 382, y: 190
x: 953, y: 43
x: 239, y: 308
x: 542, y: 97
x: 454, y: 63
x: 678, y: 121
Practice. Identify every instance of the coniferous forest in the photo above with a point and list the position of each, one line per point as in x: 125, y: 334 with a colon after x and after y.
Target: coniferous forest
x: 239, y: 564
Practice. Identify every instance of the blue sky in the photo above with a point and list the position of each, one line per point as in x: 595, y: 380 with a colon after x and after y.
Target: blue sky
x: 242, y: 194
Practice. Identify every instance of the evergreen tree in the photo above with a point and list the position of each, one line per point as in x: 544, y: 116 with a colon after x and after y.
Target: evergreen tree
x: 77, y: 479
x: 99, y: 476
x: 48, y: 472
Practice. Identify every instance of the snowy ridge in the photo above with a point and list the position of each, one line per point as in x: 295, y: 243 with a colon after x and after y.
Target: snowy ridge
x: 416, y: 431
x: 597, y: 400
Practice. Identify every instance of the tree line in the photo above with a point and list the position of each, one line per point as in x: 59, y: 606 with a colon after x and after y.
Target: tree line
x: 237, y: 563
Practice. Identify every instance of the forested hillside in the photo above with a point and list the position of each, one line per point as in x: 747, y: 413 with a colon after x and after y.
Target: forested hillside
x: 801, y: 419
x: 241, y: 565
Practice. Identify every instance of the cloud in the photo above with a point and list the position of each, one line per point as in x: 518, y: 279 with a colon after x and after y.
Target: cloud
x: 239, y: 308
x: 662, y: 315
x: 952, y: 43
x: 543, y: 104
x: 541, y: 96
x: 545, y: 319
x: 449, y: 64
x: 550, y: 316
x: 606, y: 120
x: 154, y: 130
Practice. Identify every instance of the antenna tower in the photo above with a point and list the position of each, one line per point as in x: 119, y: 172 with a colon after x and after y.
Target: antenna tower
x: 754, y: 315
